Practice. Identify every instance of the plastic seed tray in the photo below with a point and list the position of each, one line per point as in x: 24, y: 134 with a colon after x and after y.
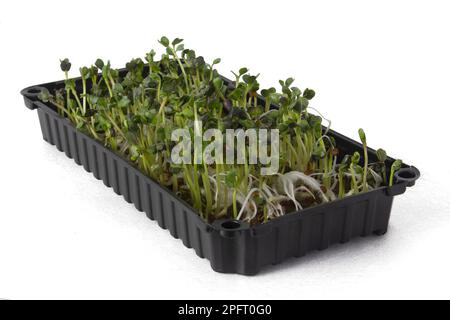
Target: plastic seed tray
x: 231, y: 246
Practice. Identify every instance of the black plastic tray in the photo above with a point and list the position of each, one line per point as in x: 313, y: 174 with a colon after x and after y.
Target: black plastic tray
x: 230, y: 246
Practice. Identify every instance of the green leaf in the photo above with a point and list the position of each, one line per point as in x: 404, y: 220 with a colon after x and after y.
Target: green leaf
x: 304, y: 125
x: 362, y: 136
x: 180, y: 47
x: 218, y: 83
x: 396, y: 165
x: 188, y: 113
x: 65, y: 65
x: 164, y: 41
x: 381, y: 155
x: 283, y: 127
x: 269, y: 93
x: 273, y: 115
x: 150, y: 56
x: 175, y: 41
x: 94, y: 70
x: 200, y: 61
x: 237, y: 93
x: 243, y: 71
x: 309, y: 94
x: 118, y: 88
x: 216, y: 61
x: 301, y: 104
x: 190, y: 54
x: 283, y: 101
x: 99, y: 64
x: 231, y: 179
x: 124, y: 102
x: 296, y: 91
x: 356, y: 157
x: 84, y: 72
x: 289, y: 82
x: 44, y: 95
x: 102, y: 103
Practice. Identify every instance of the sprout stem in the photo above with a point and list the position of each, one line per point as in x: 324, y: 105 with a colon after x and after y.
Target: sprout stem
x: 235, y: 211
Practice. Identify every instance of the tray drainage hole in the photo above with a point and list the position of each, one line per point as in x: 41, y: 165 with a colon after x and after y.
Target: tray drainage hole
x: 409, y: 175
x: 231, y: 225
x: 34, y: 91
x: 406, y: 174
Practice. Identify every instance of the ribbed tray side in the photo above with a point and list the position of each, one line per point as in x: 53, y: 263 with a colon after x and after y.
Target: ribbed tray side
x: 245, y: 251
x: 248, y: 251
x: 126, y: 180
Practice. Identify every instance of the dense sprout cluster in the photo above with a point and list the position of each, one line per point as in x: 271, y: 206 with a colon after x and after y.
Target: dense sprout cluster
x: 134, y: 114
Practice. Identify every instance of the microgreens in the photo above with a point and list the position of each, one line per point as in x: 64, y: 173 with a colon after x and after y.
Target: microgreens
x: 134, y: 112
x: 395, y: 167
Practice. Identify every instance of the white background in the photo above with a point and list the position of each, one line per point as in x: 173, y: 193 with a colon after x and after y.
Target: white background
x: 380, y: 65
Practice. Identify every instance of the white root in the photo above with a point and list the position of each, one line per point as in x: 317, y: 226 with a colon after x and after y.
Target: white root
x: 336, y: 181
x: 294, y: 186
x: 288, y: 188
x: 331, y: 195
x: 215, y: 189
x: 245, y: 202
x: 305, y: 190
x: 311, y: 183
x: 327, y: 120
x: 378, y: 179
